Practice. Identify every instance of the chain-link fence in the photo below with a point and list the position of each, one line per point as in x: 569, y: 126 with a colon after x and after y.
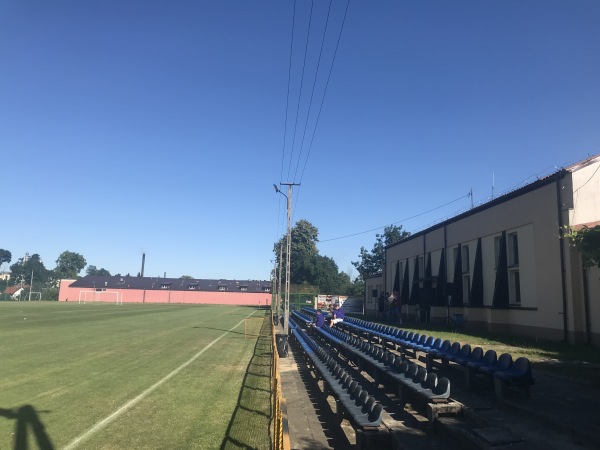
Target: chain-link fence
x: 297, y: 301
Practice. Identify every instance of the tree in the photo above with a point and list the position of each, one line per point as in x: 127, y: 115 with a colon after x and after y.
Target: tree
x: 5, y: 256
x: 307, y: 266
x: 22, y: 269
x: 68, y: 265
x: 186, y: 277
x: 93, y: 270
x: 304, y: 238
x: 357, y: 287
x: 328, y: 277
x: 587, y: 241
x: 371, y: 263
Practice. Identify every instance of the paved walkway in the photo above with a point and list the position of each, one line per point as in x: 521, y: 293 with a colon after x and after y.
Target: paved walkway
x: 311, y: 422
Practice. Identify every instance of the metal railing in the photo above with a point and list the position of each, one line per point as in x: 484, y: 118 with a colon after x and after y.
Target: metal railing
x: 281, y: 435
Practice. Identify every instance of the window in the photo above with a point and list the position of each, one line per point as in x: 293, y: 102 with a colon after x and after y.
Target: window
x: 514, y: 284
x: 243, y: 288
x: 455, y: 255
x: 466, y: 288
x: 165, y: 285
x: 222, y: 288
x: 266, y: 289
x: 192, y: 287
x: 514, y: 276
x: 401, y: 272
x: 465, y: 259
x: 513, y: 250
x: 497, y: 251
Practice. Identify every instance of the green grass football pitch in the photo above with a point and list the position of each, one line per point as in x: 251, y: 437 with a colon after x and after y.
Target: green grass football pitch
x: 105, y: 376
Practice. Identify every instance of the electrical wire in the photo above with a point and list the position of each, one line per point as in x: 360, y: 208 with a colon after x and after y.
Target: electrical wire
x: 287, y: 105
x: 313, y: 87
x: 325, y: 92
x: 301, y: 86
x: 394, y: 223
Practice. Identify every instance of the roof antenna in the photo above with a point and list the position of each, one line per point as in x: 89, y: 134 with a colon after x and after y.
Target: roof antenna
x: 143, y: 262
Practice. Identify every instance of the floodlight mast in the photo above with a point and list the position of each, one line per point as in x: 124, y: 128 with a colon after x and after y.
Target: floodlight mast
x: 286, y: 313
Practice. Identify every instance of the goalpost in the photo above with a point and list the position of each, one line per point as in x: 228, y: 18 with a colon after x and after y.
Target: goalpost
x: 35, y: 296
x: 102, y: 296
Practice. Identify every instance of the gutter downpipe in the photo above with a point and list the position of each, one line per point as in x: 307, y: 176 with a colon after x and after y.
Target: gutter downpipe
x: 385, y: 270
x: 445, y: 285
x: 586, y: 307
x: 562, y: 258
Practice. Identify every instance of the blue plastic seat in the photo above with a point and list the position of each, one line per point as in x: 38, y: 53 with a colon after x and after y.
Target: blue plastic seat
x: 425, y: 345
x: 464, y: 352
x: 489, y: 359
x: 434, y: 347
x: 476, y: 355
x: 504, y: 363
x: 519, y: 374
x: 453, y: 350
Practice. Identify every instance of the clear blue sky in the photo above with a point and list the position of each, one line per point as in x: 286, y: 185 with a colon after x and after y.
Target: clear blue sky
x: 131, y: 126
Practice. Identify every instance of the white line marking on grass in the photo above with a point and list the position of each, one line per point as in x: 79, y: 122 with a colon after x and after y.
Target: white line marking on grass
x: 107, y: 420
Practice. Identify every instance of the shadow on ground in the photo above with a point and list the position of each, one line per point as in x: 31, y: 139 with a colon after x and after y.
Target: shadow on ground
x: 26, y: 416
x: 336, y: 438
x: 249, y: 424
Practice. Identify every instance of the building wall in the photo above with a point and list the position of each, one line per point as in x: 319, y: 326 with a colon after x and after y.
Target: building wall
x: 533, y: 216
x: 593, y: 278
x: 585, y: 205
x: 372, y: 284
x: 70, y: 294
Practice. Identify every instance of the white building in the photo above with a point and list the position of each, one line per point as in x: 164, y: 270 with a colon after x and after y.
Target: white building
x: 502, y: 266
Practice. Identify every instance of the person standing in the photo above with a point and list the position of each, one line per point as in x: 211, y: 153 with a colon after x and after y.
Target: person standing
x: 380, y: 306
x: 390, y: 308
x: 397, y: 307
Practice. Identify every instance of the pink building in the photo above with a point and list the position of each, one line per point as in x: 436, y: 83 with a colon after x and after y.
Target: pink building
x: 125, y: 289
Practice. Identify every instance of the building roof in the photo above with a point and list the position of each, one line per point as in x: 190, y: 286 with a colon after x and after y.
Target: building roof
x: 12, y: 289
x: 581, y: 164
x: 174, y: 284
x: 374, y: 275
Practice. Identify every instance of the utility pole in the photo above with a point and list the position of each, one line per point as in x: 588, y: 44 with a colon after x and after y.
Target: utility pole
x: 279, y: 284
x: 286, y: 313
x: 30, y: 285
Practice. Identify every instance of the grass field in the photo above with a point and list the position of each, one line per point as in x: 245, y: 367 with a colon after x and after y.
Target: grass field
x: 102, y: 376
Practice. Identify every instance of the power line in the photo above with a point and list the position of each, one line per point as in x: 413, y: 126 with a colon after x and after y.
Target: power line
x: 323, y: 98
x: 325, y: 92
x: 394, y: 223
x: 312, y: 92
x: 313, y: 88
x: 301, y: 86
x: 287, y: 105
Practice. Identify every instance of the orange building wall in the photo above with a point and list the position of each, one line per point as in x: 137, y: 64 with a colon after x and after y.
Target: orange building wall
x: 67, y: 293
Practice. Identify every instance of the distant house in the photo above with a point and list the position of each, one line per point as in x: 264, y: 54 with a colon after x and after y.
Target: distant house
x: 502, y: 266
x: 15, y: 291
x: 4, y: 276
x: 94, y: 288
